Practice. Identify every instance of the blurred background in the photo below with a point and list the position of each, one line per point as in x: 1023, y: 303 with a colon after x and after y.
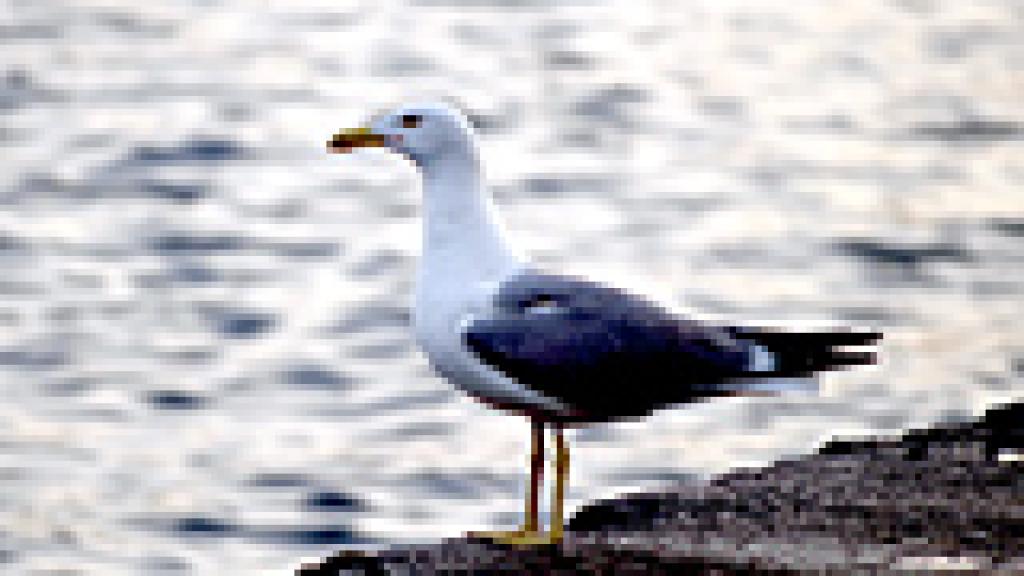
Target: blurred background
x: 205, y: 360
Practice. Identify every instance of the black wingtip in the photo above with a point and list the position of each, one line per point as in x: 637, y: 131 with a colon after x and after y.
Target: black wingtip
x: 842, y: 359
x: 830, y: 338
x: 801, y: 354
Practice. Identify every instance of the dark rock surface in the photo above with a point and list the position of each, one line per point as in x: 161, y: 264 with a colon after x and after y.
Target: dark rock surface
x: 946, y: 499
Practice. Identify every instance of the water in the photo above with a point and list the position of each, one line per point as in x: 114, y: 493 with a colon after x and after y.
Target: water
x: 205, y: 360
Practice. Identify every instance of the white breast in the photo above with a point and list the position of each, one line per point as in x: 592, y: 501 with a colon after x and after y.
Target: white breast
x: 440, y: 317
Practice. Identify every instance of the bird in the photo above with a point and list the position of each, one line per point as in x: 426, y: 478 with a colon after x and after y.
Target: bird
x: 562, y: 350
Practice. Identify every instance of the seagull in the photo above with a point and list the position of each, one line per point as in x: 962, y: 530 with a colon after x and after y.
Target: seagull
x: 563, y: 350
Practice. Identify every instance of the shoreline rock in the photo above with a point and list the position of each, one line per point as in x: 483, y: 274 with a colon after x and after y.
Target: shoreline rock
x: 948, y: 498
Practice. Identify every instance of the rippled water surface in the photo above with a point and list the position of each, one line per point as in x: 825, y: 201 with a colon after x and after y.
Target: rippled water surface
x: 205, y: 361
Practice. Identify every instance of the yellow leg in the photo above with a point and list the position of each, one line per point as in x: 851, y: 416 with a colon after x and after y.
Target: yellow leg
x: 561, y: 479
x: 532, y: 535
x: 530, y: 532
x: 532, y: 523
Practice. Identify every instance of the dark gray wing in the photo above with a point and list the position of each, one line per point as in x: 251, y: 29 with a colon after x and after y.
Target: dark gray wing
x: 602, y: 351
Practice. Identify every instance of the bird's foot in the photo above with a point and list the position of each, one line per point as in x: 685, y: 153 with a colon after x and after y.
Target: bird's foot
x: 521, y: 537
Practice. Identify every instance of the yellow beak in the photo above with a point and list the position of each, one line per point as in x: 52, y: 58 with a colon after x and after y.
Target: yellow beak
x: 346, y: 140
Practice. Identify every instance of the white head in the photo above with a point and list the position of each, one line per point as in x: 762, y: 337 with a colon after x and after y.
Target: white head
x: 463, y: 237
x: 421, y: 132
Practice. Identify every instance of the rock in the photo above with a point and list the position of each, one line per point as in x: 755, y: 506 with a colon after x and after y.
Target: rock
x: 948, y: 498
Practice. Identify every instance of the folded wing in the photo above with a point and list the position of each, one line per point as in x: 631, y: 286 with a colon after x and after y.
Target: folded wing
x: 601, y: 350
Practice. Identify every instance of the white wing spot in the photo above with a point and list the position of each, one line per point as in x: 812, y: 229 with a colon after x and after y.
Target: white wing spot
x: 542, y: 305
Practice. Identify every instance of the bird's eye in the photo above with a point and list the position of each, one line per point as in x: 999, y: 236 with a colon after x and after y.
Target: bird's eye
x: 411, y: 120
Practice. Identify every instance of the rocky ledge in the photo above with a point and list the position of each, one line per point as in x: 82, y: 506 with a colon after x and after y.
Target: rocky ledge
x: 947, y: 499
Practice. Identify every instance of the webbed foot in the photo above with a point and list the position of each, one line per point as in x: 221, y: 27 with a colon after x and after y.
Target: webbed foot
x: 519, y: 537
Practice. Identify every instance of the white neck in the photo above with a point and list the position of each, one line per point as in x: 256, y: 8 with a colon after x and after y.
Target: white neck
x: 463, y: 238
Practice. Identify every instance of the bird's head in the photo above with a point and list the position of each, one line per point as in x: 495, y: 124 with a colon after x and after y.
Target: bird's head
x: 421, y: 132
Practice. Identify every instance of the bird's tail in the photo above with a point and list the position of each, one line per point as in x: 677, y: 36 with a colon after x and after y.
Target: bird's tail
x: 791, y: 354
